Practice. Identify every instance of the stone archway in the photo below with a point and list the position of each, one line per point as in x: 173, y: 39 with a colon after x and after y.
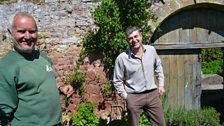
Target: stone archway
x: 178, y: 39
x: 165, y: 8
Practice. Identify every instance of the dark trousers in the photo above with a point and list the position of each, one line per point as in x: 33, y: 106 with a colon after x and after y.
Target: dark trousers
x: 151, y: 104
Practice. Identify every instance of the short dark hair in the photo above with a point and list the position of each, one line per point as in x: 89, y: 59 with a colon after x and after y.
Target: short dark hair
x: 129, y: 30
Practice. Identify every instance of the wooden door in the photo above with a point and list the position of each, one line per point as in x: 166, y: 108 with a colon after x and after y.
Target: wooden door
x: 178, y: 41
x: 182, y: 70
x: 195, y: 26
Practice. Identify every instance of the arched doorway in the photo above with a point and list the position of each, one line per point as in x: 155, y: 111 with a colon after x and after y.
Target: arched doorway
x: 179, y: 40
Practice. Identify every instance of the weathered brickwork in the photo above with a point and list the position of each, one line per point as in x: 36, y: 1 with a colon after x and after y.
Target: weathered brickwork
x: 62, y: 26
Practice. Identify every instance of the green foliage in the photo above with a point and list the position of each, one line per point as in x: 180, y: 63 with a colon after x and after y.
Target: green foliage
x: 212, y: 60
x: 212, y: 67
x: 85, y: 116
x: 124, y: 121
x: 81, y: 58
x: 107, y: 89
x: 179, y: 116
x: 112, y: 18
x: 137, y: 13
x: 183, y: 117
x: 205, y: 119
x: 66, y: 100
x: 144, y: 120
x: 110, y: 38
x: 77, y: 80
x: 210, y: 54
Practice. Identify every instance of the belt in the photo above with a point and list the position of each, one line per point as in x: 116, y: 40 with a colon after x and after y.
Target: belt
x: 145, y: 92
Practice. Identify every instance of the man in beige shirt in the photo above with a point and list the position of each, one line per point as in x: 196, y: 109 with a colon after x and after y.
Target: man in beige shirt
x: 134, y: 74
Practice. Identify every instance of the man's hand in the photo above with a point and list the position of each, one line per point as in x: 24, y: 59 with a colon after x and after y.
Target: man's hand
x: 161, y: 90
x: 67, y: 90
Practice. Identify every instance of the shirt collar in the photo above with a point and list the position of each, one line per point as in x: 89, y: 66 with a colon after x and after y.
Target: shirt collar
x: 130, y: 52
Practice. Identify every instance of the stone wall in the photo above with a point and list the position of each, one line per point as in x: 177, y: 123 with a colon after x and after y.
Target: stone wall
x: 59, y: 22
x: 62, y: 25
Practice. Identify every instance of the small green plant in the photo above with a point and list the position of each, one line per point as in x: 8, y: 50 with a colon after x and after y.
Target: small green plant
x: 66, y: 100
x: 77, y: 80
x: 85, y: 116
x: 107, y: 89
x: 213, y: 67
x: 82, y: 55
x: 183, y: 117
x: 212, y: 60
x: 179, y: 116
x: 144, y: 120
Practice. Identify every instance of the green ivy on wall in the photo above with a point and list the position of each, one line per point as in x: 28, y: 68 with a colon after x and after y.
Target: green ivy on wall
x: 112, y: 17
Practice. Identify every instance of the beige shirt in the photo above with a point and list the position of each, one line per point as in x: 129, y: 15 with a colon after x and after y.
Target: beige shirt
x: 135, y: 75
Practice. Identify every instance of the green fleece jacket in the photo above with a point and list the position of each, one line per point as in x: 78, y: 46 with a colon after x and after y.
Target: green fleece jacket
x: 28, y: 91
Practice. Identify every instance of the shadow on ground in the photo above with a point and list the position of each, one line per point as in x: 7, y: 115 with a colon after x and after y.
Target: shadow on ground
x: 215, y: 99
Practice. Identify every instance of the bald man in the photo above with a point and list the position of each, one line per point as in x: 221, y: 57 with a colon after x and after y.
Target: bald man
x: 29, y: 95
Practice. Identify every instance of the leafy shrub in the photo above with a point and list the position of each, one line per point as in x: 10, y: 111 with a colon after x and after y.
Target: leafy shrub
x: 77, y: 80
x: 183, y: 117
x: 112, y: 17
x: 144, y: 120
x: 210, y: 54
x: 212, y: 67
x: 85, y: 116
x: 109, y: 39
x: 212, y: 60
x: 107, y: 89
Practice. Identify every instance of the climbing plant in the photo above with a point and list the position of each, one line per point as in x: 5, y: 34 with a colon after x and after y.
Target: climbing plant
x: 112, y: 17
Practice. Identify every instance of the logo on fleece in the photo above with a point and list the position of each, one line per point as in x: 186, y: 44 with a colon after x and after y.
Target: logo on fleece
x: 48, y: 68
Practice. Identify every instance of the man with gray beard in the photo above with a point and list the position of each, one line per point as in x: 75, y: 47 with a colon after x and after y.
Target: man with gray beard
x: 28, y: 92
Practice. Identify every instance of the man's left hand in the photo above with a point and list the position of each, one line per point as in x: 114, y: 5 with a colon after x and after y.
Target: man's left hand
x: 161, y: 90
x: 67, y: 90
